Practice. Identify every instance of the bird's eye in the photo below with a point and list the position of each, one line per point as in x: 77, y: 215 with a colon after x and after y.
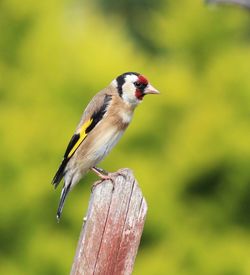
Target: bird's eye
x: 138, y: 85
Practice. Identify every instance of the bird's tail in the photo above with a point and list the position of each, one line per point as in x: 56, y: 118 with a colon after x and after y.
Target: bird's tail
x: 64, y: 194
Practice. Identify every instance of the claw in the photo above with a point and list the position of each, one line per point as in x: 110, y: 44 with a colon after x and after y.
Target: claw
x: 120, y: 174
x: 109, y: 177
x: 104, y: 175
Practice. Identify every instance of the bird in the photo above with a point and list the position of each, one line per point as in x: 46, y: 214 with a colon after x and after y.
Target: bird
x: 101, y: 126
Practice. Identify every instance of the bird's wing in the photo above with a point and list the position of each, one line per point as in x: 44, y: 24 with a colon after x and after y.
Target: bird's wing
x: 92, y: 115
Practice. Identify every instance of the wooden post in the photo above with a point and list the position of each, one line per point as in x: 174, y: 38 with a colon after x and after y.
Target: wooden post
x: 111, y: 234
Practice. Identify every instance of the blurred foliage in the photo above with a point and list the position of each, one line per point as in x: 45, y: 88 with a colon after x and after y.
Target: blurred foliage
x: 136, y: 18
x: 189, y: 148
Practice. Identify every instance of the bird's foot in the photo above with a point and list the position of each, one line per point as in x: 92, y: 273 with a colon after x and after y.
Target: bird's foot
x: 120, y: 173
x: 104, y: 175
x: 99, y: 182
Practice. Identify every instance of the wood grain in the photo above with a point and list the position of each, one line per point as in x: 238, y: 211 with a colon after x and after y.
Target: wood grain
x: 111, y: 235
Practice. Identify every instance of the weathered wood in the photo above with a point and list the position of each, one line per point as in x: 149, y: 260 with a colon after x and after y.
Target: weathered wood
x: 111, y: 234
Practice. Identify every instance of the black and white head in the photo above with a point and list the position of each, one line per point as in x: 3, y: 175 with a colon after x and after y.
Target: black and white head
x: 132, y: 87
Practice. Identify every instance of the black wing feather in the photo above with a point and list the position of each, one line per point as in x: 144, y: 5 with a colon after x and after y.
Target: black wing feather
x: 71, y: 144
x: 61, y: 170
x: 60, y: 173
x: 96, y: 117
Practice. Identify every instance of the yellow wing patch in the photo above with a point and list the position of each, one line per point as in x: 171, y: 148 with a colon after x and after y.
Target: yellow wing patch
x: 82, y: 136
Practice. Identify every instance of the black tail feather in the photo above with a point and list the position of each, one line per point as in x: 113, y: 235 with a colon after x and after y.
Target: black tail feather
x: 62, y: 201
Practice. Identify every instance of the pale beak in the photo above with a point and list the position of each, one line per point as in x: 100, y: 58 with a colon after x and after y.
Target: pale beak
x: 150, y: 90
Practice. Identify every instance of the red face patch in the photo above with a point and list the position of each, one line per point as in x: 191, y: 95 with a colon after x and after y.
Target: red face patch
x: 142, y: 79
x: 139, y: 94
x: 140, y: 84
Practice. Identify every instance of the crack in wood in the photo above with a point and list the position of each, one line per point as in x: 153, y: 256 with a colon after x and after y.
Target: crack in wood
x: 104, y: 228
x: 125, y: 220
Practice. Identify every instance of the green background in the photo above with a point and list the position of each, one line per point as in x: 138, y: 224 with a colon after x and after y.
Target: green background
x: 189, y: 147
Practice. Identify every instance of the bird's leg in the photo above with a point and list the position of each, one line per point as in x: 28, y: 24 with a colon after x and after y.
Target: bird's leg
x: 100, y: 171
x: 104, y: 175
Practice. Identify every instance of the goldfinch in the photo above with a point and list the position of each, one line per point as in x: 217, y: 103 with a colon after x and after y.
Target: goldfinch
x: 102, y: 124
